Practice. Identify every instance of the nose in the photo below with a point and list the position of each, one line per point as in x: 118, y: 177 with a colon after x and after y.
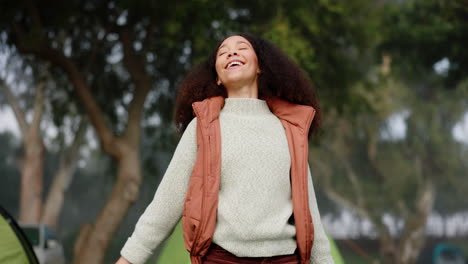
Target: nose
x: 232, y: 54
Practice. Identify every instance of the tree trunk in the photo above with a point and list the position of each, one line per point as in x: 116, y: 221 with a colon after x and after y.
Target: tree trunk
x: 32, y: 169
x: 388, y: 249
x: 56, y: 195
x: 94, y: 239
x: 62, y: 179
x: 413, y: 238
x: 406, y: 248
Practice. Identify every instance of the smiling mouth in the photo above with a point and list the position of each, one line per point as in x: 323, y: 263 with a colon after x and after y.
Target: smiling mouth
x: 234, y: 64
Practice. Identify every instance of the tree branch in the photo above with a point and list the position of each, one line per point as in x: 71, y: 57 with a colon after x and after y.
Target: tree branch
x: 412, y: 238
x: 92, y: 56
x: 354, y: 183
x: 72, y: 154
x: 95, y: 114
x: 136, y: 67
x: 35, y: 17
x: 39, y: 102
x: 19, y: 113
x: 80, y: 85
x: 63, y: 177
x: 133, y: 62
x: 335, y: 196
x: 351, y: 175
x: 149, y: 36
x: 43, y: 50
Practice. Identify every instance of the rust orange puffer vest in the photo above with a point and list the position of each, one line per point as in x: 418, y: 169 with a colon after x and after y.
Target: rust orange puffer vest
x: 201, y: 203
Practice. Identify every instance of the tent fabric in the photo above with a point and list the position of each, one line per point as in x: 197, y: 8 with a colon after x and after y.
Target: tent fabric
x: 14, y: 246
x: 335, y: 252
x: 174, y: 250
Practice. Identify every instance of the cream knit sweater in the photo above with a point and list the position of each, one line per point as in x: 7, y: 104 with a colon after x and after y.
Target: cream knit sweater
x: 255, y: 192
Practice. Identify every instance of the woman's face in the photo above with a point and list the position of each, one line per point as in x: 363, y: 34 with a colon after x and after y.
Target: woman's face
x: 236, y: 62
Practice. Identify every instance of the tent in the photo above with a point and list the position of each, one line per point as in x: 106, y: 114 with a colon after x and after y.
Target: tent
x: 14, y: 246
x: 441, y: 253
x: 174, y: 250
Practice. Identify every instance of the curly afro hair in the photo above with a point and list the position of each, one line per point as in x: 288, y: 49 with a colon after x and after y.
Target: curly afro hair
x: 279, y: 77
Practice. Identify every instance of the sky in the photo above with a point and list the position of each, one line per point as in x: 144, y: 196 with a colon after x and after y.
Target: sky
x: 348, y: 225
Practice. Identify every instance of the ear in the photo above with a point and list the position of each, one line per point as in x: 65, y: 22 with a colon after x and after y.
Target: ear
x: 218, y: 81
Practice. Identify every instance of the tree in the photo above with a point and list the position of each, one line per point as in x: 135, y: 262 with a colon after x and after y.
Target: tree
x: 365, y: 165
x: 32, y: 159
x: 122, y: 60
x: 82, y: 52
x: 362, y: 165
x: 19, y: 74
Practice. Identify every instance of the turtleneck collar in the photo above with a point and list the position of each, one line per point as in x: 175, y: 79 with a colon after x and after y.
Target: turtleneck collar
x: 245, y: 106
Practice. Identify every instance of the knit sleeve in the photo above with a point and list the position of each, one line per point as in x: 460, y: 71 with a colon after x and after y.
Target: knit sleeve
x: 321, y: 248
x: 165, y: 210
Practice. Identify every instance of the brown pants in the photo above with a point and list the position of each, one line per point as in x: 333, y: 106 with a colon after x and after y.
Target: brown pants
x: 218, y: 255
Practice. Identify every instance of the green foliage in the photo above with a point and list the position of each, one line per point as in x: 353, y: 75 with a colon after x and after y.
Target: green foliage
x: 371, y: 61
x: 356, y: 144
x: 413, y: 36
x: 329, y: 39
x: 425, y: 32
x: 293, y: 43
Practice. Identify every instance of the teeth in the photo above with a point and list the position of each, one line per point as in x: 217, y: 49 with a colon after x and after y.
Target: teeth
x: 234, y: 63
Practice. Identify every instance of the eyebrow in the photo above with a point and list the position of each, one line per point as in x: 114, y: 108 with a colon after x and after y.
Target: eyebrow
x: 238, y: 42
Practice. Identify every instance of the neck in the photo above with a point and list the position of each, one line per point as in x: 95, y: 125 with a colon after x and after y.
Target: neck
x: 243, y: 91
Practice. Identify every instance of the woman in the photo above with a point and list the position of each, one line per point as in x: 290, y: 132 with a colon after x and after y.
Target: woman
x: 239, y: 176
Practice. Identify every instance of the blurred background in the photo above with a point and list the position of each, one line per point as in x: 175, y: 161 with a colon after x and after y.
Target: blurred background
x: 87, y: 91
